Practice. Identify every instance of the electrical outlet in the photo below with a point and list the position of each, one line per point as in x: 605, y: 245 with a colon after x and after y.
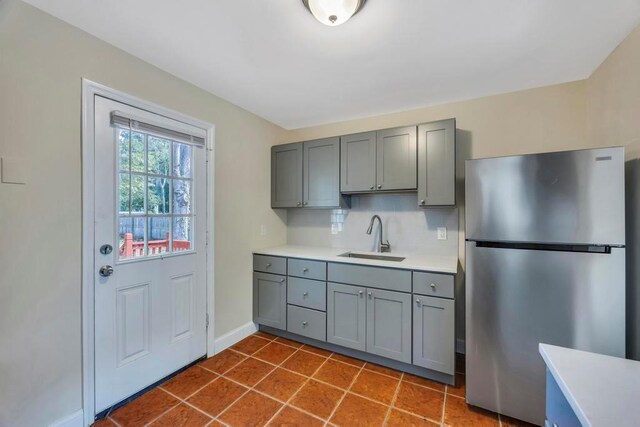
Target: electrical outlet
x: 442, y: 233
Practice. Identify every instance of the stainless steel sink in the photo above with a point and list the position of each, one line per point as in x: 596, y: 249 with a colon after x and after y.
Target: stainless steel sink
x: 372, y: 256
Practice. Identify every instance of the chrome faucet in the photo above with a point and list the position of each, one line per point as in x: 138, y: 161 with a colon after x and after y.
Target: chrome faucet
x: 382, y: 246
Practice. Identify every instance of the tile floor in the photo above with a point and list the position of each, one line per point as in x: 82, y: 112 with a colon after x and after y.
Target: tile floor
x: 264, y: 380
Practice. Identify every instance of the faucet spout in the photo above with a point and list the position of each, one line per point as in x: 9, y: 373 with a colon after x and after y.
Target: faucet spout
x: 382, y: 246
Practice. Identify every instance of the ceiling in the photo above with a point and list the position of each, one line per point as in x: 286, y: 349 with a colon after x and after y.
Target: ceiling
x: 274, y: 59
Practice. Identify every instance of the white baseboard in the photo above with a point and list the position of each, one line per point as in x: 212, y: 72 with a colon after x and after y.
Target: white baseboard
x: 238, y: 334
x: 460, y: 346
x: 74, y: 420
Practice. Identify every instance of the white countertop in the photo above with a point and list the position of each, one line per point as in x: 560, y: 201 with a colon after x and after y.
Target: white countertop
x: 412, y: 261
x: 602, y: 390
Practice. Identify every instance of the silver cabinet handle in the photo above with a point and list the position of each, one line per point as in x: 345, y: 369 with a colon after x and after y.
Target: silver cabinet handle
x: 106, y: 271
x: 422, y: 202
x: 304, y: 294
x: 268, y: 265
x: 361, y: 293
x: 418, y: 302
x: 305, y: 203
x: 282, y: 280
x: 433, y: 286
x: 304, y: 323
x: 372, y: 187
x: 379, y: 186
x: 370, y: 294
x: 305, y: 269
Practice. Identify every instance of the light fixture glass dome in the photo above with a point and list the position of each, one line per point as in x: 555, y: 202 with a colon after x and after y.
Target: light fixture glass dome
x: 333, y: 12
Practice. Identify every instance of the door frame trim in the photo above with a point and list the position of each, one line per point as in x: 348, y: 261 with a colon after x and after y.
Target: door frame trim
x: 89, y: 90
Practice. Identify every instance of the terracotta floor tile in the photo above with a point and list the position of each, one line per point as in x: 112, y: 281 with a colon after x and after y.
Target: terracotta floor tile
x: 317, y: 398
x: 249, y: 372
x: 182, y: 416
x: 281, y: 384
x: 383, y: 370
x: 265, y: 335
x: 402, y: 419
x: 188, y: 382
x: 458, y: 413
x: 223, y: 361
x: 252, y: 409
x: 215, y: 397
x: 144, y: 409
x: 104, y: 422
x: 250, y: 344
x: 424, y: 382
x: 290, y: 343
x: 304, y: 363
x: 512, y: 422
x: 347, y: 359
x: 275, y: 353
x: 460, y: 363
x: 337, y: 374
x: 375, y: 386
x: 420, y: 401
x: 357, y: 411
x: 316, y: 350
x: 460, y: 388
x: 292, y: 417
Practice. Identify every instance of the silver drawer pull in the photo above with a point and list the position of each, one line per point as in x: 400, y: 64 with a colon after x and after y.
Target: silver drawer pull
x: 304, y: 294
x: 361, y: 293
x: 433, y: 286
x: 282, y: 280
x: 418, y: 302
x: 304, y: 323
x: 304, y: 270
x: 268, y: 264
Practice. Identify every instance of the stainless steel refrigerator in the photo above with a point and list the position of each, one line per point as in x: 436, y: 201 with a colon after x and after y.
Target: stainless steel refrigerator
x: 545, y: 262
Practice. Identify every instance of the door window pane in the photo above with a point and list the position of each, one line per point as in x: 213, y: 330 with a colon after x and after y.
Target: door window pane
x: 182, y: 233
x: 159, y: 156
x: 158, y: 195
x: 138, y: 184
x: 181, y: 197
x: 181, y: 160
x: 123, y: 150
x: 124, y: 192
x: 159, y: 235
x: 131, y: 237
x: 137, y: 152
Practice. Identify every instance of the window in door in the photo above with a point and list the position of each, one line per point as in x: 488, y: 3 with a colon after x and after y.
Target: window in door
x: 155, y: 187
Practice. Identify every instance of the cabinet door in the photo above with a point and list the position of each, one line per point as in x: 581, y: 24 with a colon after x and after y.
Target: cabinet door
x: 286, y: 175
x: 321, y: 168
x: 389, y: 324
x: 358, y: 162
x: 270, y: 300
x: 437, y: 163
x: 346, y: 315
x: 396, y: 159
x: 434, y: 334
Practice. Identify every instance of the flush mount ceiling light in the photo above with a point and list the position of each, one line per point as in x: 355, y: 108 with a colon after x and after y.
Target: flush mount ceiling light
x: 333, y: 12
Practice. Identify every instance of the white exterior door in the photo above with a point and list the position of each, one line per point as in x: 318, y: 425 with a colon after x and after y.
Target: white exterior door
x: 150, y: 288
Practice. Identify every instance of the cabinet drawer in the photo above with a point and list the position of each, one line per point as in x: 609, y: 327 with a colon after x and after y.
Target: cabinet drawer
x: 307, y: 293
x: 372, y: 277
x: 433, y: 284
x: 308, y: 269
x: 270, y: 264
x: 306, y: 322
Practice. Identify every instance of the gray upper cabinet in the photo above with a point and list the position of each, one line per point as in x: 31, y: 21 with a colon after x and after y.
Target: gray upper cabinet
x: 346, y: 316
x: 434, y: 334
x: 358, y: 162
x: 270, y: 300
x: 286, y: 175
x: 437, y: 163
x: 389, y: 324
x: 396, y: 152
x: 321, y: 168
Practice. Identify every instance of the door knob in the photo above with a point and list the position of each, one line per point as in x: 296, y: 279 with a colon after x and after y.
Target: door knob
x: 106, y: 271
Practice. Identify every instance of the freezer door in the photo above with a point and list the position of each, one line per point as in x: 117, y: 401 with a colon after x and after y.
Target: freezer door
x: 516, y: 299
x: 564, y: 197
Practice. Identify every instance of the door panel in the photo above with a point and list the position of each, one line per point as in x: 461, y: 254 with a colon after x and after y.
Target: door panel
x: 151, y: 208
x: 434, y: 334
x: 565, y: 197
x: 270, y: 300
x: 516, y: 299
x: 437, y: 163
x: 346, y: 316
x: 358, y: 162
x: 286, y: 176
x: 321, y: 167
x: 389, y: 324
x: 396, y: 159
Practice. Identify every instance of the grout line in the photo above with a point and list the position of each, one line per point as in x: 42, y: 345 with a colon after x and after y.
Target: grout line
x: 162, y: 414
x: 444, y: 406
x: 393, y: 400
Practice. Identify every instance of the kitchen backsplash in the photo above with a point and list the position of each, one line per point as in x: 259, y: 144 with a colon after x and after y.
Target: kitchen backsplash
x: 407, y: 227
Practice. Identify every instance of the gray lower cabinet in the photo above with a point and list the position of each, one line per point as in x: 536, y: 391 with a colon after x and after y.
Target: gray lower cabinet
x: 307, y: 322
x: 389, y: 324
x: 346, y: 316
x: 396, y: 153
x: 434, y: 334
x: 437, y: 163
x: 286, y: 175
x: 270, y: 300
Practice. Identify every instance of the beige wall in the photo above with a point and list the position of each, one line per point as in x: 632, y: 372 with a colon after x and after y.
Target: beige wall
x: 42, y: 61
